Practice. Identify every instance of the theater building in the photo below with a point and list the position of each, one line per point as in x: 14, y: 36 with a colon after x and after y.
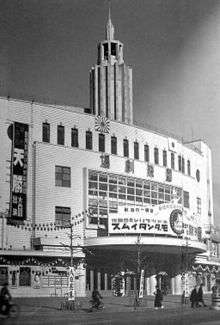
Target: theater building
x: 137, y: 199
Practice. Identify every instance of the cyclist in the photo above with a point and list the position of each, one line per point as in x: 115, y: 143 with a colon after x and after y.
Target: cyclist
x: 5, y: 298
x: 96, y: 298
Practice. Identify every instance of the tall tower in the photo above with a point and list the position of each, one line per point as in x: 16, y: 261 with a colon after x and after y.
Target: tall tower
x: 111, y: 93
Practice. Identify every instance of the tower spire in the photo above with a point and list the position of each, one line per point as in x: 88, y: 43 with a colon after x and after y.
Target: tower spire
x: 109, y: 33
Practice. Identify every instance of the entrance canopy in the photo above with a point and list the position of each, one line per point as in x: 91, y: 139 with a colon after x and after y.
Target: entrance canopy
x: 148, y: 243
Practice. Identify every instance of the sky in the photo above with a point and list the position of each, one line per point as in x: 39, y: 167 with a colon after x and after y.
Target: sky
x: 48, y: 47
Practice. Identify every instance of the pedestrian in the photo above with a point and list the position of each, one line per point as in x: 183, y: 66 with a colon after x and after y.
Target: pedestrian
x: 5, y: 298
x: 158, y: 298
x: 214, y: 290
x: 200, y: 296
x: 194, y: 297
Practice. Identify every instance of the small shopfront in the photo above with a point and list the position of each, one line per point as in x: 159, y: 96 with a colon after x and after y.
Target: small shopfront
x: 40, y: 275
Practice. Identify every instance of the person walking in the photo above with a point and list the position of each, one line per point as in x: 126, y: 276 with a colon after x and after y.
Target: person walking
x: 5, y: 298
x: 194, y: 297
x: 158, y: 298
x: 96, y: 298
x: 200, y: 296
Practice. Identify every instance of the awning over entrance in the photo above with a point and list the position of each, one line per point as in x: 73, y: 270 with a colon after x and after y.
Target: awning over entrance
x: 149, y: 244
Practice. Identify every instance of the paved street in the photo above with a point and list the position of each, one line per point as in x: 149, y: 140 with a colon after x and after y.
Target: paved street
x: 116, y: 311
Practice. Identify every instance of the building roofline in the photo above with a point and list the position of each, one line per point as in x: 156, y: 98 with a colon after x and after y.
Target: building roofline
x: 142, y: 126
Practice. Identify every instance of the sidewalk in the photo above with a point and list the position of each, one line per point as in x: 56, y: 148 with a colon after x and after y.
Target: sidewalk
x: 112, y: 304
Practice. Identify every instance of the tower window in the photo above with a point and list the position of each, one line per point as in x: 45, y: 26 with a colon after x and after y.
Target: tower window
x: 156, y: 156
x: 105, y: 51
x: 74, y: 138
x: 164, y: 158
x: 113, y: 49
x: 60, y: 134
x: 46, y: 132
x: 114, y: 145
x: 126, y: 147
x: 146, y: 153
x: 136, y: 150
x: 89, y: 140
x: 172, y: 160
x: 101, y: 142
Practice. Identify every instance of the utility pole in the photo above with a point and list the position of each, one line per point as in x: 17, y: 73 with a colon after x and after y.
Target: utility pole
x: 71, y: 245
x: 138, y: 273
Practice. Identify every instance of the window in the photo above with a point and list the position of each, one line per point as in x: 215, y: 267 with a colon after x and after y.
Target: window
x: 89, y: 140
x: 114, y: 145
x: 198, y: 203
x: 198, y: 175
x: 113, y: 49
x: 136, y: 150
x: 172, y: 160
x: 46, y: 132
x: 62, y: 215
x: 60, y: 134
x: 101, y: 142
x: 164, y: 158
x: 62, y: 176
x: 108, y: 191
x: 156, y: 156
x: 126, y: 148
x: 186, y: 199
x: 179, y: 163
x: 188, y: 167
x: 105, y: 51
x: 183, y: 165
x: 74, y: 137
x: 146, y: 153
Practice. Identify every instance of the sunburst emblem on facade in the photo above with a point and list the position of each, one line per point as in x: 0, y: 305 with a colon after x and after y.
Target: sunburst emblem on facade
x: 102, y: 124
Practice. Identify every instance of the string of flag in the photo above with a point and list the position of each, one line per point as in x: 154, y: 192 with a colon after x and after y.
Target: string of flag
x: 205, y: 268
x: 51, y: 226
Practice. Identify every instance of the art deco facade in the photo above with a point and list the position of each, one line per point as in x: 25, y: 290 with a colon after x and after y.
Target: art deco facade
x: 121, y: 186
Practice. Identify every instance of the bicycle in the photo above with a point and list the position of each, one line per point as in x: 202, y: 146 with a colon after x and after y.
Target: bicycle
x: 67, y: 304
x: 95, y: 306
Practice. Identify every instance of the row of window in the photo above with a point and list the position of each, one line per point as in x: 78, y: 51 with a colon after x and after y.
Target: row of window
x: 63, y: 214
x: 184, y: 167
x: 107, y: 191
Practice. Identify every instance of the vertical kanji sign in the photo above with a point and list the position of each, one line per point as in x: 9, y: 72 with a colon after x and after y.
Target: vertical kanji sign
x: 71, y: 283
x: 141, y: 289
x: 18, y: 177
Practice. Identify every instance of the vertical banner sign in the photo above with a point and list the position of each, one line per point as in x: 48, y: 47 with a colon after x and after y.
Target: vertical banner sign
x: 18, y: 179
x: 71, y: 284
x: 141, y: 289
x: 123, y: 284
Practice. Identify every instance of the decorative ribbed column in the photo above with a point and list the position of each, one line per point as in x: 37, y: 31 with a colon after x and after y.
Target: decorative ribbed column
x: 106, y: 281
x: 178, y: 284
x: 173, y: 285
x: 98, y: 280
x: 153, y: 283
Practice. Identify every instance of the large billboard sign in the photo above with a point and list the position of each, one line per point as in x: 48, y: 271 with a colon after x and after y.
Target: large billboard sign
x: 164, y: 219
x: 18, y: 133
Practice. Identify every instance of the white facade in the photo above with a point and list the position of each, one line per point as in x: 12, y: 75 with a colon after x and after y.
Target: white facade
x: 101, y: 168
